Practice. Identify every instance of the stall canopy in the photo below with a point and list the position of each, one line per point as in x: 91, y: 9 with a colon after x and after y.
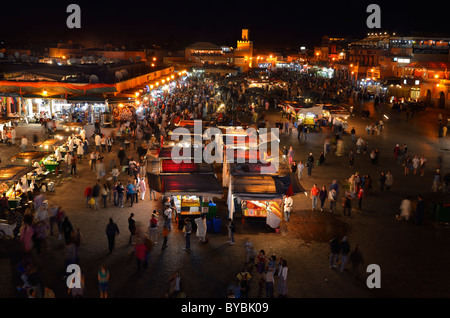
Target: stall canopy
x: 263, y: 187
x: 169, y: 166
x: 55, y: 88
x: 14, y: 172
x: 30, y: 155
x: 251, y: 187
x: 186, y: 184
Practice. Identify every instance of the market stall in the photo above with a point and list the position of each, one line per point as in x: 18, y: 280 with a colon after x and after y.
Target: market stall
x: 260, y: 197
x: 73, y: 126
x: 29, y: 157
x: 9, y: 176
x: 188, y: 191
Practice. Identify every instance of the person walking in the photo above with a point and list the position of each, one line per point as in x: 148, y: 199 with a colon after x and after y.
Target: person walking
x: 310, y: 164
x: 67, y: 230
x: 323, y: 194
x: 131, y: 227
x: 422, y: 162
x: 130, y: 190
x: 153, y: 227
x: 359, y: 144
x: 96, y: 195
x: 168, y: 217
x: 288, y: 203
x: 165, y: 234
x: 344, y: 250
x: 104, y: 193
x: 332, y: 197
x: 140, y: 252
x: 382, y: 181
x: 201, y: 228
x: 120, y: 191
x: 405, y: 209
x: 360, y: 198
x: 351, y: 158
x: 142, y: 188
x: 88, y: 194
x: 291, y: 155
x: 314, y: 196
x: 187, y: 234
x: 347, y: 204
x: 389, y: 180
x: 23, y: 143
x: 231, y: 229
x: 300, y: 167
x: 244, y: 282
x: 73, y: 165
x: 356, y: 260
x: 420, y: 210
x: 112, y: 230
x: 103, y: 280
x: 335, y: 249
x: 282, y: 287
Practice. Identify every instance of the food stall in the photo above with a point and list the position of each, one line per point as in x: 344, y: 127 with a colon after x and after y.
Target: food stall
x: 337, y: 115
x: 30, y: 157
x: 49, y: 144
x: 73, y: 126
x: 188, y: 191
x: 11, y: 174
x: 260, y: 197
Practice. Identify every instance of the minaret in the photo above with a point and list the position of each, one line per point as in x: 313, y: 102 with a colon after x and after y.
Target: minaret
x: 244, y: 34
x: 245, y: 47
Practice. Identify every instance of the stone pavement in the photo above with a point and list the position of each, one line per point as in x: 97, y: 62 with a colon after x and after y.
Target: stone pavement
x: 413, y: 259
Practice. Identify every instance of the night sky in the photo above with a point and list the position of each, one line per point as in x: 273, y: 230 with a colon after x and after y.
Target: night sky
x: 271, y: 24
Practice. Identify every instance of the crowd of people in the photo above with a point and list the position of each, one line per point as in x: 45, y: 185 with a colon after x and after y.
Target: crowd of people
x: 121, y: 181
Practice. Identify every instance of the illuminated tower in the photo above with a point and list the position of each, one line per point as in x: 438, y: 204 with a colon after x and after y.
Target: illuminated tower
x: 245, y: 48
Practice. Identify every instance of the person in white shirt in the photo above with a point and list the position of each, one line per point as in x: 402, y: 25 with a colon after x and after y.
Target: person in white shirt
x: 142, y: 188
x: 70, y: 145
x: 168, y: 217
x: 98, y: 141
x: 288, y: 202
x: 24, y: 143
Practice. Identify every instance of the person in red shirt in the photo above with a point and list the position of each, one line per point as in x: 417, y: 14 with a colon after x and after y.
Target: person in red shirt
x: 88, y: 194
x: 360, y: 197
x: 141, y: 255
x: 315, y: 196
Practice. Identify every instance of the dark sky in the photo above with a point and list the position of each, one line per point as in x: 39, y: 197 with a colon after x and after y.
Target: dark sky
x: 271, y: 23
